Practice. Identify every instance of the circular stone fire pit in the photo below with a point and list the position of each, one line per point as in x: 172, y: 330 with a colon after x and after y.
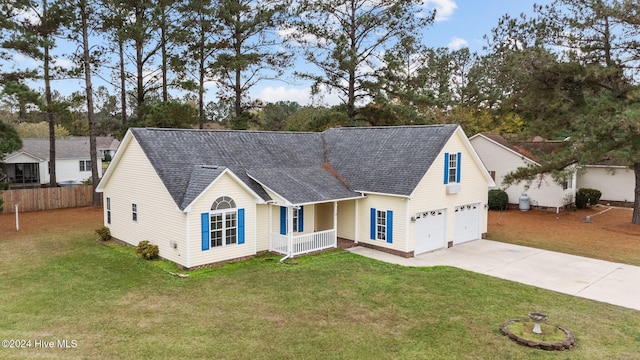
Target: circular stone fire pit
x: 535, y: 338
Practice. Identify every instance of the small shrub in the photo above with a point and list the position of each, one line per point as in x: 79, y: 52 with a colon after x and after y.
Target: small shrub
x: 498, y: 199
x: 104, y: 233
x: 107, y: 157
x: 586, y: 197
x: 147, y: 250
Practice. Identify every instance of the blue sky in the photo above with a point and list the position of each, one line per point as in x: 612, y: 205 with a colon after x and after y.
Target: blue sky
x: 459, y: 23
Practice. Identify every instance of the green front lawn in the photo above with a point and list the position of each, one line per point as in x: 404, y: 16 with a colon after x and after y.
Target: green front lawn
x: 66, y: 286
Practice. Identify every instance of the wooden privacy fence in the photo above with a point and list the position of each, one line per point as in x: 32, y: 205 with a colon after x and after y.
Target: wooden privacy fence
x: 47, y: 198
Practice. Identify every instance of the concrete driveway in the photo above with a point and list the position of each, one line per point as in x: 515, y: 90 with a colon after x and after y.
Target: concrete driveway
x: 599, y: 280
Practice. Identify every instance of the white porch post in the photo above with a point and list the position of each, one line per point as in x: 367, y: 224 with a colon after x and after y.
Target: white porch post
x: 290, y: 231
x: 335, y: 223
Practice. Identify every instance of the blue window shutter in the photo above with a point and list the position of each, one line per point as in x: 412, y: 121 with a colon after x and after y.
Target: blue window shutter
x: 204, y: 224
x: 301, y: 219
x: 389, y: 226
x: 446, y: 168
x: 283, y: 220
x: 373, y: 224
x: 459, y: 167
x: 240, y: 226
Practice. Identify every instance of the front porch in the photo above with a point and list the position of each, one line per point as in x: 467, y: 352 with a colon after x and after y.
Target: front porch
x: 303, y: 244
x: 303, y: 229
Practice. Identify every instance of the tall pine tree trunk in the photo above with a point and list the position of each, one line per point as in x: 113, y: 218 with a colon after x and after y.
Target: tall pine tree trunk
x: 123, y: 84
x: 89, y: 89
x: 47, y: 94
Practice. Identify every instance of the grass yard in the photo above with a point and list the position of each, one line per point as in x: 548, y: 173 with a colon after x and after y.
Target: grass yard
x: 59, y: 283
x: 610, y: 236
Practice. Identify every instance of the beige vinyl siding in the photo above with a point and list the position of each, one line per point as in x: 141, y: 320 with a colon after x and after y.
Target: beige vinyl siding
x: 383, y: 203
x: 225, y: 185
x: 431, y: 192
x: 262, y: 227
x: 323, y: 216
x: 347, y: 219
x: 618, y: 185
x: 542, y: 192
x: 135, y: 182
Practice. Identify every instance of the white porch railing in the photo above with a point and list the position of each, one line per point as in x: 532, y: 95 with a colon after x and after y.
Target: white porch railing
x: 304, y: 243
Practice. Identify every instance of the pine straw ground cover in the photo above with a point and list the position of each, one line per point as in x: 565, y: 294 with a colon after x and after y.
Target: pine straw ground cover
x: 58, y: 283
x: 609, y: 236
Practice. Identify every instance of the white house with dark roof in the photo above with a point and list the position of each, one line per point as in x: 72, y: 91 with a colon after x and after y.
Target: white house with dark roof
x: 502, y: 157
x: 29, y: 166
x: 211, y: 196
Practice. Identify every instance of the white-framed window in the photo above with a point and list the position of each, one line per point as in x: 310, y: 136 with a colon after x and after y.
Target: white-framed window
x: 134, y: 212
x: 381, y: 225
x: 85, y: 165
x: 108, y: 210
x: 223, y: 225
x: 453, y: 167
x: 296, y: 215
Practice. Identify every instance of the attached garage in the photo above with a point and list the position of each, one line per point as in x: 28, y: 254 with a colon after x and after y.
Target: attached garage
x: 430, y: 231
x: 467, y: 223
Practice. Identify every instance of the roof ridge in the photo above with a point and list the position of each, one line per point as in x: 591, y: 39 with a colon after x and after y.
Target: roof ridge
x: 230, y: 131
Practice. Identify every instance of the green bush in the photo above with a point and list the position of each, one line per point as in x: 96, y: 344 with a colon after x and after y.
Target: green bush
x: 498, y: 199
x: 147, y: 250
x: 586, y: 197
x: 107, y: 157
x: 104, y: 233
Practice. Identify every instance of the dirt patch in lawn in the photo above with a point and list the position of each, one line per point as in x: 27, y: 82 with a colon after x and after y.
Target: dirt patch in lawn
x: 609, y: 235
x: 37, y: 222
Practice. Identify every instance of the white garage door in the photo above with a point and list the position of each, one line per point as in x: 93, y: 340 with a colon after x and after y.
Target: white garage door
x: 467, y: 223
x: 430, y: 231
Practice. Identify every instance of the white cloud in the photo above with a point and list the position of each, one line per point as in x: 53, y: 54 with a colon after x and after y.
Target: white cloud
x: 457, y: 43
x: 444, y: 8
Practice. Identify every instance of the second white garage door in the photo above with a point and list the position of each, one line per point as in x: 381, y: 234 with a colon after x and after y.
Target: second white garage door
x: 430, y: 231
x: 467, y: 223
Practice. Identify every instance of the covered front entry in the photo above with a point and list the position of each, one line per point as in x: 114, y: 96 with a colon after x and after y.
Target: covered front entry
x: 467, y: 223
x: 430, y: 231
x: 303, y: 228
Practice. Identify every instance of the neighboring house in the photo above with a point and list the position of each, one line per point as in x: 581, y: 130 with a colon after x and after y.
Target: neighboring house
x: 616, y: 181
x: 29, y: 166
x: 210, y: 196
x: 501, y: 157
x: 106, y: 145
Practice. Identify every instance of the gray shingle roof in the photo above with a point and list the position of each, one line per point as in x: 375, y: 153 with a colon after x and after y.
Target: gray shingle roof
x: 199, y: 178
x: 303, y: 185
x: 70, y: 148
x: 389, y: 160
x: 301, y: 167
